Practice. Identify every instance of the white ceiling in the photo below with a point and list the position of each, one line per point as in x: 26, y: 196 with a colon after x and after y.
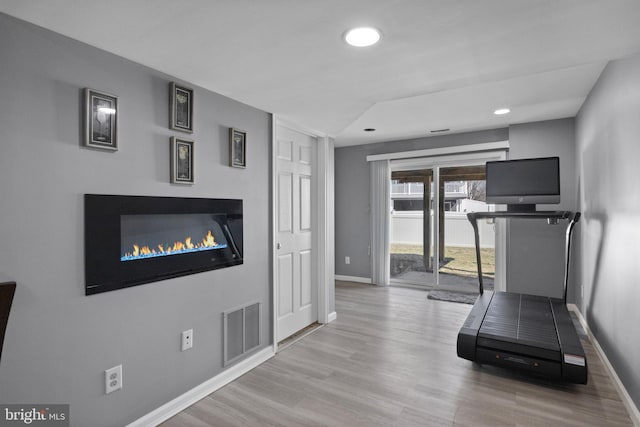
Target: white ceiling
x: 440, y: 64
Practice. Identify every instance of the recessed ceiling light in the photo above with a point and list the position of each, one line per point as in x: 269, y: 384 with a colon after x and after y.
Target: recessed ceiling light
x: 369, y: 129
x: 501, y: 111
x: 362, y: 36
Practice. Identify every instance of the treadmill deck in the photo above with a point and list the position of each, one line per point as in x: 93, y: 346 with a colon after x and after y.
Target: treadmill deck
x: 517, y: 322
x: 528, y: 332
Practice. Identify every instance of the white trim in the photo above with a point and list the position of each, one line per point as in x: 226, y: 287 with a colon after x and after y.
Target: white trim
x: 325, y: 225
x: 279, y: 121
x: 274, y: 232
x: 459, y: 159
x: 201, y: 391
x: 632, y: 409
x: 356, y: 279
x: 431, y: 152
x: 332, y: 316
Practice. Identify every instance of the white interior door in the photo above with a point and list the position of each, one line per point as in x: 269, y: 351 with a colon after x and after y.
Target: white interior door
x: 295, y: 216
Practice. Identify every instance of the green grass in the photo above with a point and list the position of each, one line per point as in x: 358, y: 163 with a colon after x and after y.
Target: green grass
x: 463, y: 260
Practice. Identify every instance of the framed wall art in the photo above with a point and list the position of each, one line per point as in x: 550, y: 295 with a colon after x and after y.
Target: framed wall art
x: 237, y: 148
x: 181, y: 108
x: 100, y: 120
x: 182, y: 161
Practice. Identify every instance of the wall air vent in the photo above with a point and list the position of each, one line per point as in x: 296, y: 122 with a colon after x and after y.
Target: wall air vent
x: 241, y: 331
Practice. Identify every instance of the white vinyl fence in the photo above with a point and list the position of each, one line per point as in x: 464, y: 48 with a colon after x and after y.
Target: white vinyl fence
x: 406, y: 228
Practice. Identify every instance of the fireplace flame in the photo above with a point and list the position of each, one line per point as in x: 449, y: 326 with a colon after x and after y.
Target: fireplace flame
x: 208, y: 242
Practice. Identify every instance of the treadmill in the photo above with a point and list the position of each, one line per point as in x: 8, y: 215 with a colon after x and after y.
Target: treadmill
x: 530, y: 333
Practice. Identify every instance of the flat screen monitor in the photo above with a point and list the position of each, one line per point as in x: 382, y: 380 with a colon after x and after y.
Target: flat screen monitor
x: 521, y: 184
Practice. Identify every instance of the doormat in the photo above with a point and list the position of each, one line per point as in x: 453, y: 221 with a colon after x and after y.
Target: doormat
x: 453, y: 296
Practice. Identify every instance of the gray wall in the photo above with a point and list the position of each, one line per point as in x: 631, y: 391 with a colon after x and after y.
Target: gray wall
x: 608, y: 149
x: 535, y: 250
x: 59, y: 341
x: 353, y: 229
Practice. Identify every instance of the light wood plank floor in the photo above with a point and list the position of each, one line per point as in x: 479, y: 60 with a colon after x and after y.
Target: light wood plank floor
x: 390, y: 360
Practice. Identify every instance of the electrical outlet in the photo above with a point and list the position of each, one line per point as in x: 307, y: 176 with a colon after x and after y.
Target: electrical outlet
x: 347, y: 260
x: 187, y: 339
x: 113, y: 379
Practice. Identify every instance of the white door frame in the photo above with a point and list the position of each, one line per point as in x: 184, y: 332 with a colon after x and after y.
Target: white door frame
x: 323, y: 228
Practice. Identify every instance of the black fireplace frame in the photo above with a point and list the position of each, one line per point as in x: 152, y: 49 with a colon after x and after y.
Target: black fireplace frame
x: 104, y: 271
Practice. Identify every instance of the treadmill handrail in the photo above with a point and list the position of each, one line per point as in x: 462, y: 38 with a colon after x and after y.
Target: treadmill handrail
x: 567, y: 252
x: 563, y: 215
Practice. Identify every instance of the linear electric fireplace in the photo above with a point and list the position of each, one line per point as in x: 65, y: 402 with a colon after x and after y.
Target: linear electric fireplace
x: 131, y: 240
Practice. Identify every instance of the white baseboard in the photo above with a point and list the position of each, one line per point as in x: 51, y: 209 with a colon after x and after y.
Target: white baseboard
x: 332, y: 316
x: 356, y: 279
x: 201, y: 391
x: 634, y: 414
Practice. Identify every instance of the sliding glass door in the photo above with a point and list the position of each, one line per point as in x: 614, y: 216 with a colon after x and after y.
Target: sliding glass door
x: 431, y: 241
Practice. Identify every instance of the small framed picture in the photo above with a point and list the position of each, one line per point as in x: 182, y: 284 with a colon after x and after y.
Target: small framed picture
x: 100, y: 120
x: 181, y: 108
x: 182, y: 161
x: 237, y: 148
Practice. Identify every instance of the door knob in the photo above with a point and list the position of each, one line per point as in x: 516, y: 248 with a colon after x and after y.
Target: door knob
x: 278, y: 245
